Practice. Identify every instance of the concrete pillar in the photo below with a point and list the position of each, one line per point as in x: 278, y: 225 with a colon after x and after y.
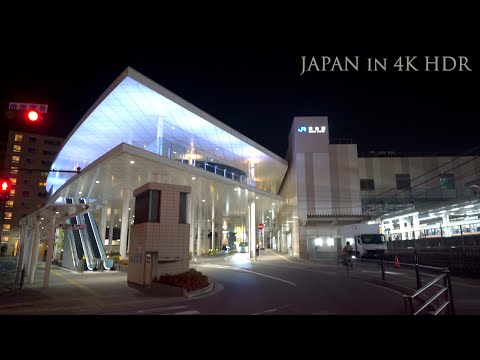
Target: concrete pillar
x: 199, y: 228
x: 110, y: 229
x: 48, y: 262
x: 124, y: 227
x: 34, y: 250
x: 251, y: 230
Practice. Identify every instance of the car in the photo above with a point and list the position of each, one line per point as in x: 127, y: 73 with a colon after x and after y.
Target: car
x: 243, y: 247
x: 225, y: 248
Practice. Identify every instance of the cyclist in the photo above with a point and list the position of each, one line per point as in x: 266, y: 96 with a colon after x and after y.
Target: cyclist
x: 346, y: 252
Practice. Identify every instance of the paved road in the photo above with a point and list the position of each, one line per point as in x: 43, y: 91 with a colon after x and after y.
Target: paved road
x: 274, y: 285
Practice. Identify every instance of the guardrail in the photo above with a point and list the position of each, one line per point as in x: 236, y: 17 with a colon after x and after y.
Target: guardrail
x: 425, y: 295
x: 445, y: 289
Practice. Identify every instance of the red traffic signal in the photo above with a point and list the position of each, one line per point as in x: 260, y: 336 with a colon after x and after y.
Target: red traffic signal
x: 33, y: 115
x: 5, y: 186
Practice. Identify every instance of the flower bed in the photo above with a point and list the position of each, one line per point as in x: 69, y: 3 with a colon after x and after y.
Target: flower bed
x: 191, y: 280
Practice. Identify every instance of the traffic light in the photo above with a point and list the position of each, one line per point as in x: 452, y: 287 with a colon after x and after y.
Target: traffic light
x: 5, y: 186
x: 33, y: 115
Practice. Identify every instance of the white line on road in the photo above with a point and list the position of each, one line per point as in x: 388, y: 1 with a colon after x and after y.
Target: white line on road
x: 188, y: 312
x: 161, y: 309
x: 247, y: 271
x: 271, y: 310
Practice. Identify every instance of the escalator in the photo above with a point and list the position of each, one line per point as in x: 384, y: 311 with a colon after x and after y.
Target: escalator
x: 76, y: 237
x: 90, y: 233
x: 96, y: 242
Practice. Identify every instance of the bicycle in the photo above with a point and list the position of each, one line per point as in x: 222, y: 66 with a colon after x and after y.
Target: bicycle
x: 349, y: 261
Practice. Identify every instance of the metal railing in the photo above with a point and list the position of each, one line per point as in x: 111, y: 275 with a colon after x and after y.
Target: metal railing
x: 429, y: 301
x: 428, y: 307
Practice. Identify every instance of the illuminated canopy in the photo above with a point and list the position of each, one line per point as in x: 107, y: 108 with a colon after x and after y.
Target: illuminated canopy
x: 137, y: 111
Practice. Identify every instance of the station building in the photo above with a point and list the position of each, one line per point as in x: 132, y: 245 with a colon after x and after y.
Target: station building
x: 138, y: 132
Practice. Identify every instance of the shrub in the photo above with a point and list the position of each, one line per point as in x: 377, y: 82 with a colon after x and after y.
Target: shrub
x: 191, y: 280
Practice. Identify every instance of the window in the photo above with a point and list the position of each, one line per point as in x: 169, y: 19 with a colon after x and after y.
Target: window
x: 42, y: 184
x: 403, y: 182
x: 29, y: 160
x: 5, y: 238
x: 46, y: 163
x: 12, y: 192
x: 32, y: 139
x: 32, y: 150
x: 9, y: 203
x: 44, y: 174
x: 17, y: 148
x: 447, y: 182
x: 26, y: 193
x: 6, y: 227
x: 15, y: 159
x: 42, y: 195
x: 13, y: 181
x: 18, y: 137
x: 46, y: 152
x: 52, y: 142
x: 182, y: 214
x: 14, y: 170
x: 8, y: 215
x: 147, y: 207
x: 367, y: 184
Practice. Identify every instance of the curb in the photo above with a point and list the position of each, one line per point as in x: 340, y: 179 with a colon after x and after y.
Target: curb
x: 200, y: 292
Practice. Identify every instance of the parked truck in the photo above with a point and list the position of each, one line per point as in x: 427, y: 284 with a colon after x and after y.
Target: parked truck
x: 366, y: 239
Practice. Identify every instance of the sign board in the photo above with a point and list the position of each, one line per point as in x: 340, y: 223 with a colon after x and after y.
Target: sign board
x: 260, y: 226
x: 72, y: 226
x: 43, y: 108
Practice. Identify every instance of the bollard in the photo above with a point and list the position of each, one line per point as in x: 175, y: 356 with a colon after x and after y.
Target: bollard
x: 382, y: 264
x: 417, y: 273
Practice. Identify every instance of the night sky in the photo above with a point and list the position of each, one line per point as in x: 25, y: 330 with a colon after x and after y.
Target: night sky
x: 257, y: 89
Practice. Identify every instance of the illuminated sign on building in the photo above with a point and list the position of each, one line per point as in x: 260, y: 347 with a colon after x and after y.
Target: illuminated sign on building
x: 313, y: 129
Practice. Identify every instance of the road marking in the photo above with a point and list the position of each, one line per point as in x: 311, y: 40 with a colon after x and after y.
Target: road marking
x: 247, y: 271
x: 161, y: 309
x: 271, y: 310
x: 188, y: 312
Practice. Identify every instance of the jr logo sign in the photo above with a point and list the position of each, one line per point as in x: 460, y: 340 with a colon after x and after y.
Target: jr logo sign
x: 312, y: 129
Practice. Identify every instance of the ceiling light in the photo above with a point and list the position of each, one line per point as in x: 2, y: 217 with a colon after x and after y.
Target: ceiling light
x: 98, y: 182
x: 216, y: 149
x: 256, y: 197
x: 203, y: 200
x: 132, y: 162
x: 193, y: 178
x: 80, y: 193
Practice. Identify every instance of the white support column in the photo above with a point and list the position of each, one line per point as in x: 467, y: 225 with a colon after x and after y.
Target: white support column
x: 446, y: 225
x: 160, y: 126
x: 110, y: 229
x: 205, y: 236
x: 48, y: 261
x: 251, y: 231
x: 401, y: 222
x: 213, y: 225
x: 191, y: 220
x: 416, y: 226
x: 20, y: 251
x: 199, y: 229
x: 35, y: 246
x: 124, y: 227
x: 103, y: 223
